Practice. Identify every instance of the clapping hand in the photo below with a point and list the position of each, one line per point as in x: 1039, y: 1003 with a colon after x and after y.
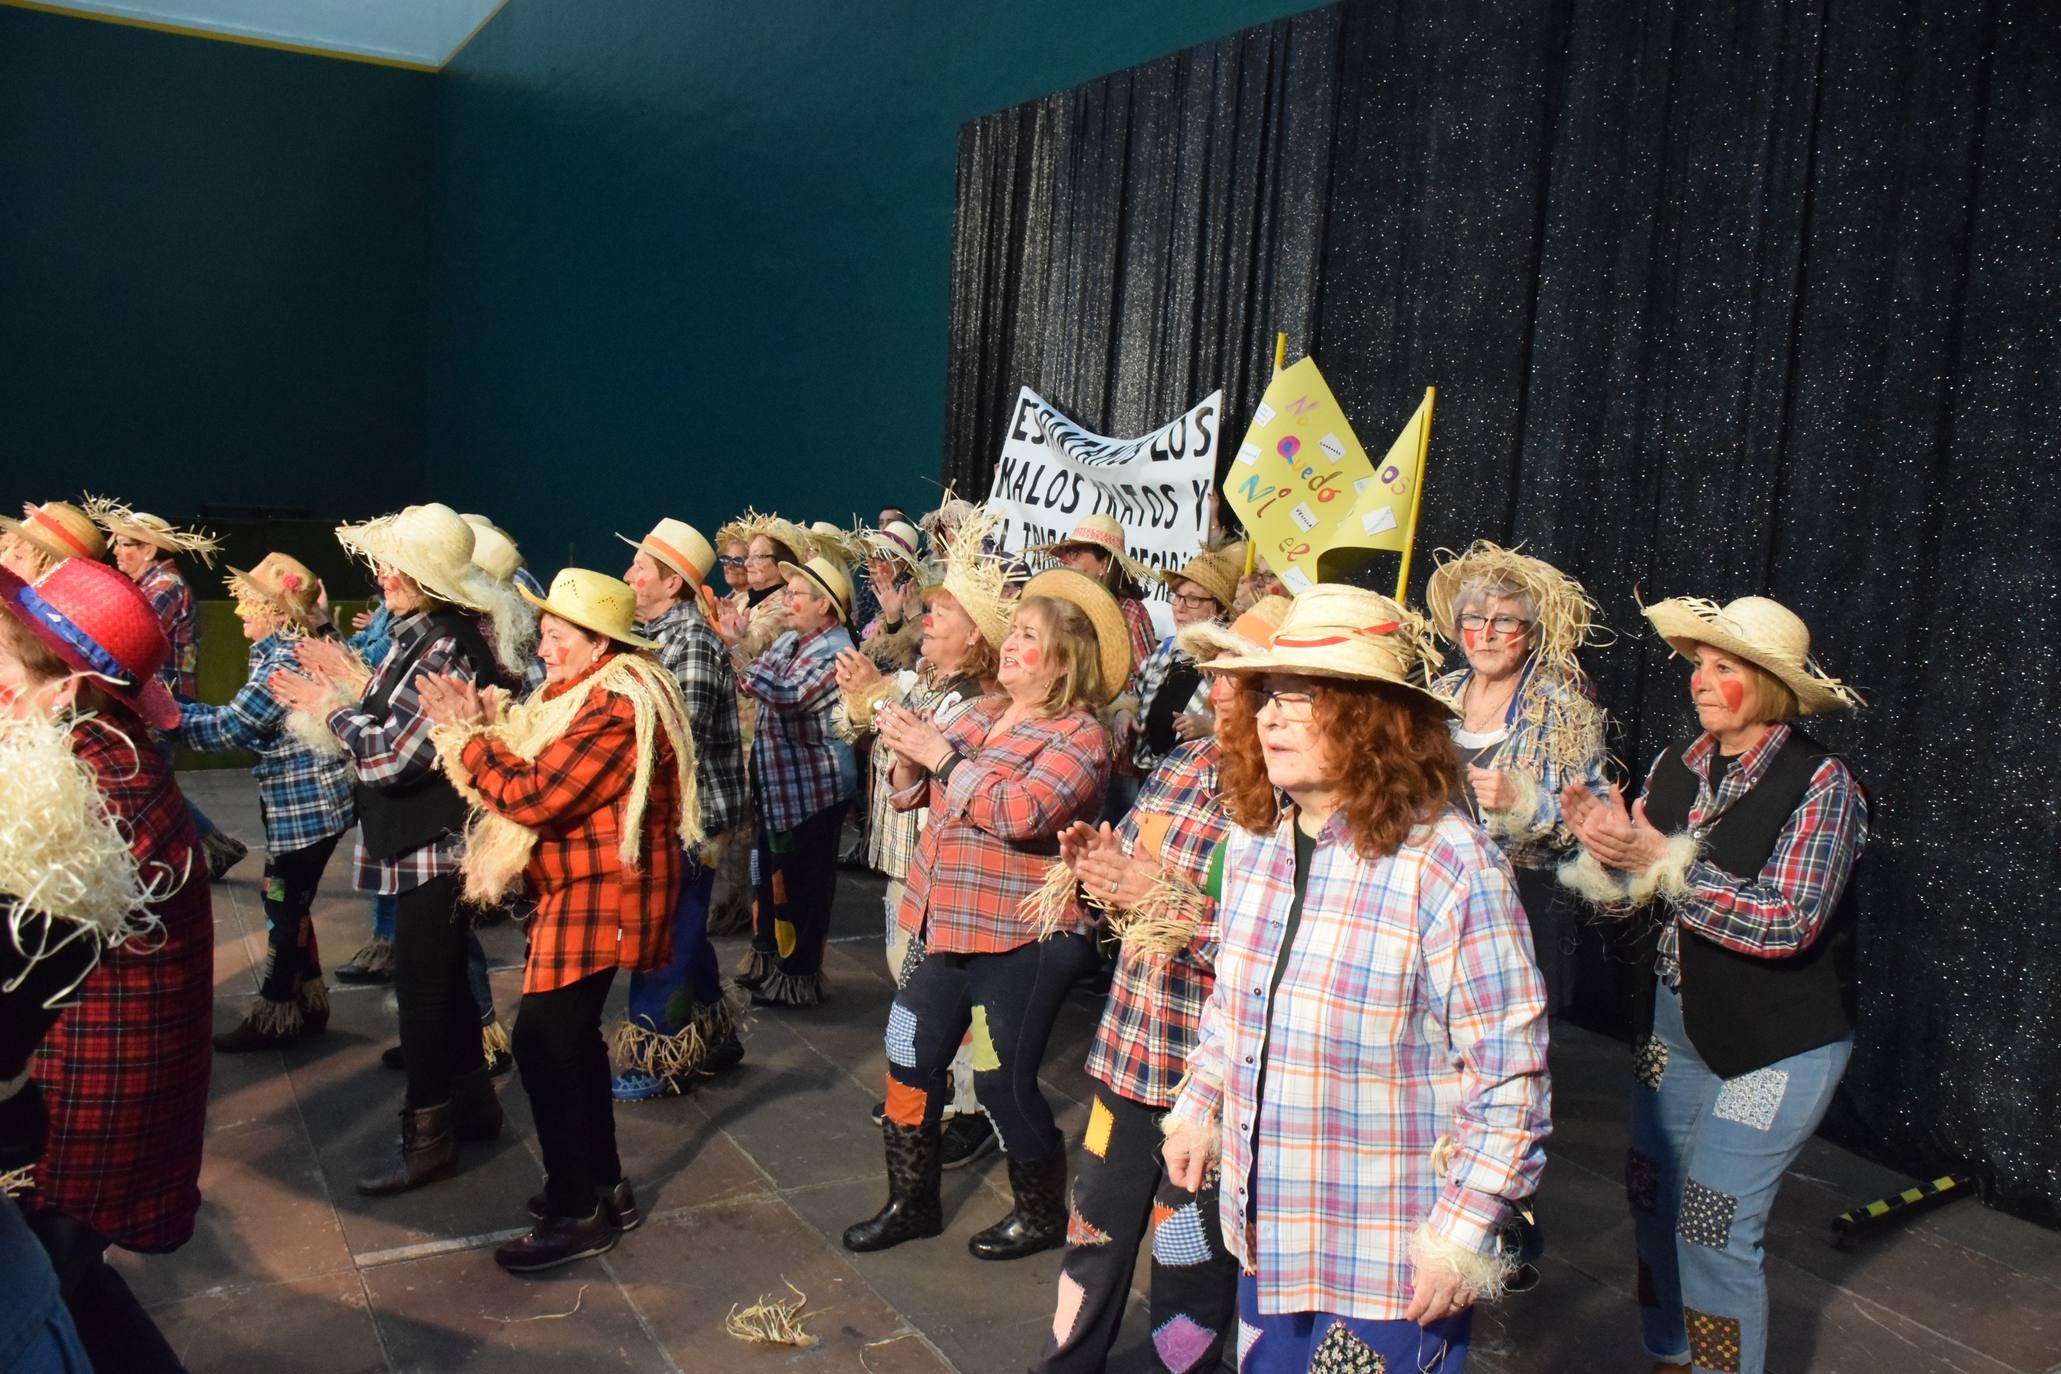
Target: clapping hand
x: 448, y: 699
x: 1619, y: 839
x: 855, y: 672
x: 912, y: 736
x: 1097, y: 859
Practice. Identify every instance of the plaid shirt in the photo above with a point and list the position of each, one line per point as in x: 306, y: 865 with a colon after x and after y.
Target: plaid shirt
x: 172, y: 599
x: 701, y: 665
x: 1782, y: 910
x: 1154, y: 1010
x: 797, y: 761
x: 1535, y: 840
x: 892, y: 831
x: 304, y: 796
x: 124, y: 1073
x: 593, y: 912
x: 1144, y: 634
x: 396, y: 750
x: 1151, y: 674
x: 1409, y: 1011
x: 994, y: 828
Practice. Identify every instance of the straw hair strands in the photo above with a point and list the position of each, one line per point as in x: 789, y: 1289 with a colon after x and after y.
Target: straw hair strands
x: 118, y: 519
x: 773, y: 1320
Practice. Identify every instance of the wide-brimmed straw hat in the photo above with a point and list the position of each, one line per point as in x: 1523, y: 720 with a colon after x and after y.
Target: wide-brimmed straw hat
x: 848, y: 547
x: 98, y: 622
x: 783, y: 532
x: 1762, y: 631
x: 977, y: 578
x: 1564, y: 610
x: 1112, y: 635
x: 279, y: 583
x: 1104, y: 535
x: 493, y: 549
x: 58, y: 529
x: 1250, y: 633
x: 899, y: 542
x: 828, y: 576
x: 593, y: 601
x: 1216, y: 571
x: 1338, y: 631
x: 122, y: 523
x: 432, y: 544
x: 677, y: 545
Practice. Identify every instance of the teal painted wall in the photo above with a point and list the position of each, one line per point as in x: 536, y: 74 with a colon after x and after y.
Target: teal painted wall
x: 690, y: 255
x: 214, y: 270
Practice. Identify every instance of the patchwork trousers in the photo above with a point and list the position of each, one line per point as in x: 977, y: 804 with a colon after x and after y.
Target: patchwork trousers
x: 1707, y: 1155
x: 1329, y: 1343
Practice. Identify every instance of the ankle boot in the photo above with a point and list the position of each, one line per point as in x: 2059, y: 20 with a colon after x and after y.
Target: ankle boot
x: 914, y: 1209
x: 429, y: 1152
x: 1037, y: 1221
x: 475, y: 1110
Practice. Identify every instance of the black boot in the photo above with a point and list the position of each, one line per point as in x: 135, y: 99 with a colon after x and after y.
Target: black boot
x: 1038, y: 1221
x: 429, y: 1152
x: 914, y: 1209
x: 475, y: 1110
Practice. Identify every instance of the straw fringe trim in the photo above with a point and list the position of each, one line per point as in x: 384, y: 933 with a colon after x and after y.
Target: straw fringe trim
x: 1483, y: 1276
x: 313, y: 732
x: 677, y: 1057
x: 116, y: 518
x: 18, y: 1182
x: 772, y: 1321
x: 1053, y: 906
x: 1515, y: 819
x: 1669, y: 876
x: 1164, y: 922
x: 1620, y: 894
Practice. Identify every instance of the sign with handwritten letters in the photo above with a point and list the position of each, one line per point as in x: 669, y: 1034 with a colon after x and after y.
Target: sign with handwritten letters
x: 1052, y: 474
x: 1302, y: 484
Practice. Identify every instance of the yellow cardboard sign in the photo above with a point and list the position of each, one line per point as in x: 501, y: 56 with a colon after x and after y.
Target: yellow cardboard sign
x: 1302, y: 484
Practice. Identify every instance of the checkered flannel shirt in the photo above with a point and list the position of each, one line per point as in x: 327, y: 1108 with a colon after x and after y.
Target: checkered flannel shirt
x: 701, y: 665
x: 1409, y: 1011
x: 172, y: 599
x: 1536, y: 840
x: 1155, y: 1002
x: 304, y: 796
x: 798, y: 763
x: 1782, y: 910
x: 994, y: 825
x: 1144, y: 634
x: 593, y: 913
x: 1145, y: 684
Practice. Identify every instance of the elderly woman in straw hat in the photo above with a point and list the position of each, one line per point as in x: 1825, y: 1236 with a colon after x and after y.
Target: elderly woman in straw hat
x: 587, y: 791
x: 304, y: 796
x: 1738, y: 858
x: 751, y: 625
x: 410, y: 820
x: 1001, y: 781
x: 1169, y: 702
x: 1096, y: 547
x: 894, y: 572
x: 45, y: 536
x: 1153, y: 875
x: 1371, y: 1067
x: 1527, y: 724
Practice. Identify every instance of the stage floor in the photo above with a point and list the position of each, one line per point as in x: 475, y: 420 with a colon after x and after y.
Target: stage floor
x: 748, y: 1182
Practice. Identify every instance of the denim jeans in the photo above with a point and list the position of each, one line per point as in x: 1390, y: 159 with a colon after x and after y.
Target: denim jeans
x: 1706, y: 1158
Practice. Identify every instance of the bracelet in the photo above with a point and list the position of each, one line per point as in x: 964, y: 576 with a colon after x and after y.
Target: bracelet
x: 944, y: 770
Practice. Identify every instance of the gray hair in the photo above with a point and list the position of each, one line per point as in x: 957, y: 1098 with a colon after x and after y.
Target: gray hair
x: 1475, y: 596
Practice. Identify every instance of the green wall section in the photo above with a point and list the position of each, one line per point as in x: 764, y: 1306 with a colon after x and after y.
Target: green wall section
x: 691, y: 255
x: 214, y: 272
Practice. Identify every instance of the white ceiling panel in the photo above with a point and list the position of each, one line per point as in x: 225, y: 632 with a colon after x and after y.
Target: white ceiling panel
x: 421, y: 33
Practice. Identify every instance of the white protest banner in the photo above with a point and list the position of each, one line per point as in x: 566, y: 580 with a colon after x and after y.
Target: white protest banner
x: 1157, y: 486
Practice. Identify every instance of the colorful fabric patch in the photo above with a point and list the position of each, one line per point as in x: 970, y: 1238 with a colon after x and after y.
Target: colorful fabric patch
x: 784, y: 938
x: 1100, y: 1124
x: 1182, y: 1342
x: 1641, y: 1181
x: 1713, y: 1341
x: 1160, y: 1212
x: 1179, y: 1240
x: 912, y: 959
x: 1079, y: 1232
x: 1706, y: 1216
x: 1341, y: 1352
x: 901, y: 1036
x: 1248, y: 1337
x: 1068, y: 1311
x: 779, y: 886
x: 984, y: 1059
x: 905, y: 1105
x: 1649, y: 1061
x: 1752, y: 1099
x: 275, y: 889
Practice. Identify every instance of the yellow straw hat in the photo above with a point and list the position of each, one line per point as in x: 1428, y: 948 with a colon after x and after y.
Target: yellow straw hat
x: 1103, y: 534
x: 57, y: 529
x: 1339, y: 631
x: 1112, y: 635
x: 977, y: 579
x: 1765, y: 633
x: 1250, y: 633
x: 593, y: 601
x: 279, y: 583
x: 430, y: 543
x: 492, y: 548
x: 121, y: 522
x: 829, y: 577
x: 1216, y: 571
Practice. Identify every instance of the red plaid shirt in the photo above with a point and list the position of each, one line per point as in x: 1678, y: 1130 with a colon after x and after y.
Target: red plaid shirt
x: 172, y: 599
x: 124, y: 1073
x: 593, y: 913
x: 1154, y: 1011
x: 994, y: 830
x: 1144, y: 634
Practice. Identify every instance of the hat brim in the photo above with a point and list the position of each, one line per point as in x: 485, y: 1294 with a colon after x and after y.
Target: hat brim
x: 1212, y: 640
x: 148, y: 699
x: 661, y: 558
x: 242, y: 588
x: 585, y: 622
x: 1311, y: 664
x: 1684, y: 629
x: 803, y: 570
x: 21, y: 529
x: 468, y: 587
x: 1112, y: 633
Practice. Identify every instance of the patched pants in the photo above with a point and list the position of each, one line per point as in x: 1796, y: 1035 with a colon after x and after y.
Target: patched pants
x: 289, y: 895
x: 1009, y: 1002
x: 1706, y: 1157
x: 1120, y: 1190
x: 1329, y: 1343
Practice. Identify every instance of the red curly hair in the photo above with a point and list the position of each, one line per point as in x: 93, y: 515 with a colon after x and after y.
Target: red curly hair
x: 1393, y: 751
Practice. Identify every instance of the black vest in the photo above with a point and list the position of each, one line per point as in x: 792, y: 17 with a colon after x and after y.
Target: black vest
x: 400, y: 820
x: 1743, y: 1011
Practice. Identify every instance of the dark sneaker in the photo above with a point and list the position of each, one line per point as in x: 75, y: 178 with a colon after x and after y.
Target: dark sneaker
x: 618, y: 1207
x: 965, y: 1138
x: 555, y: 1241
x: 724, y: 1057
x: 879, y: 1112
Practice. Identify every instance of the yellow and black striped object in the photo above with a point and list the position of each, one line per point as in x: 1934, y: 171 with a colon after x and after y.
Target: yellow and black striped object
x: 1916, y: 1198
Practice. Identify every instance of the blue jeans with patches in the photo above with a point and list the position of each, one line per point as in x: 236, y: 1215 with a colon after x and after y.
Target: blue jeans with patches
x: 1329, y: 1343
x: 1707, y: 1156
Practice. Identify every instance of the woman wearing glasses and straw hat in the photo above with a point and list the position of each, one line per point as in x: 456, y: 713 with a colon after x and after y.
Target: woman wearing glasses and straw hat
x: 1371, y: 1067
x: 1096, y: 547
x: 1527, y: 725
x: 1169, y: 700
x: 1737, y: 858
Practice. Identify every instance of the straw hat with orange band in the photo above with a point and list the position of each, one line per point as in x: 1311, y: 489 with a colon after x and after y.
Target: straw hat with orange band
x: 47, y: 535
x: 679, y: 548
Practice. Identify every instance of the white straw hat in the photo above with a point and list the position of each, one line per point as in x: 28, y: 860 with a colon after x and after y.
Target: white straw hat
x: 430, y: 543
x: 679, y: 546
x: 1765, y: 633
x: 492, y: 548
x: 1339, y: 631
x: 828, y: 576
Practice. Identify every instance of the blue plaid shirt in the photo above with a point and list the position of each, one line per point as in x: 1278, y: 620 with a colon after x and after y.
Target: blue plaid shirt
x: 798, y: 763
x: 701, y: 665
x: 305, y: 797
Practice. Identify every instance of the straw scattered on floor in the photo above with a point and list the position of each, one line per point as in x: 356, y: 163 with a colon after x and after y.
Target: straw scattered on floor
x: 772, y: 1321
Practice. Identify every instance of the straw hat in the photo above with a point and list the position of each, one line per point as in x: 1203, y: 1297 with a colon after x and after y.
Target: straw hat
x: 593, y: 601
x: 897, y: 541
x: 976, y: 578
x: 679, y: 546
x: 430, y: 543
x: 1334, y: 630
x: 57, y: 529
x: 493, y: 551
x: 1250, y: 633
x: 1765, y: 633
x: 1565, y: 611
x: 1103, y: 534
x: 1112, y: 635
x: 122, y: 523
x: 97, y: 621
x: 828, y: 576
x: 1216, y: 571
x: 279, y: 583
x: 848, y: 547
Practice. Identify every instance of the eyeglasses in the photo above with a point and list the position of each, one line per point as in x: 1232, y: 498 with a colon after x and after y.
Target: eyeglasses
x: 1194, y: 603
x: 1508, y: 626
x: 1294, y: 708
x: 729, y: 560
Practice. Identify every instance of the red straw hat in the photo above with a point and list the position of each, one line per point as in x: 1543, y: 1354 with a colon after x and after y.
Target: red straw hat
x: 98, y: 622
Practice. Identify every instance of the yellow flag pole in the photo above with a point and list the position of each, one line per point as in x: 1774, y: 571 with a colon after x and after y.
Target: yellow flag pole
x: 1280, y: 357
x: 1402, y: 578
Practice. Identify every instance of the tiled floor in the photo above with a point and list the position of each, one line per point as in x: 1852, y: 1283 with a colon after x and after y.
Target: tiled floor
x: 749, y: 1182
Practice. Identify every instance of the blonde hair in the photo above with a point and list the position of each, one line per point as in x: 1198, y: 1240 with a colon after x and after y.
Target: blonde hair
x: 1778, y: 701
x: 1070, y: 634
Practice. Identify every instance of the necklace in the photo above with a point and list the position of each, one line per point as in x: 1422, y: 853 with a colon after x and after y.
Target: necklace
x: 1477, y: 720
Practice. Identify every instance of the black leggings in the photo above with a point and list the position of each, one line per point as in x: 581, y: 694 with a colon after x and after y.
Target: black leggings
x: 113, y: 1327
x: 289, y: 895
x: 439, y: 1023
x: 1009, y: 1001
x: 564, y: 1065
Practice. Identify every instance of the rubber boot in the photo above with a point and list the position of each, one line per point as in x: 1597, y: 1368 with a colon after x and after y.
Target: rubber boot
x: 429, y: 1153
x: 1038, y: 1221
x: 914, y: 1209
x: 475, y: 1110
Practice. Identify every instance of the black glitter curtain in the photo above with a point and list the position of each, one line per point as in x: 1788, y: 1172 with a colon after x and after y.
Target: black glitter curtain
x: 1720, y: 298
